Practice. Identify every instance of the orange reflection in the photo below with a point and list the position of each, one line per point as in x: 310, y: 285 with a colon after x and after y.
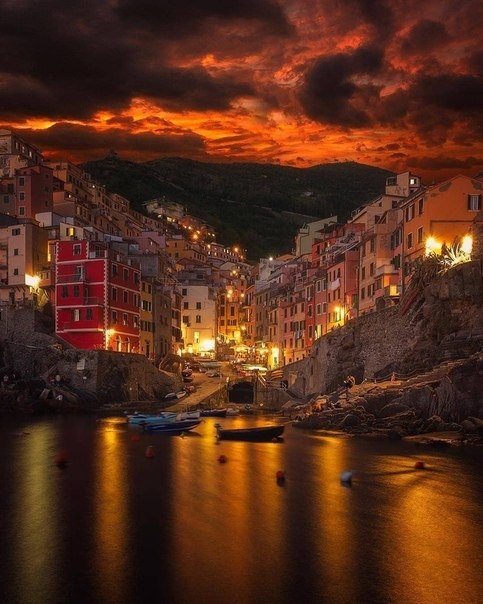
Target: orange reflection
x: 36, y: 539
x: 109, y: 529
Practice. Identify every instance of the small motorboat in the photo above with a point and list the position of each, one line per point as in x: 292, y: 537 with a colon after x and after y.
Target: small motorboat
x: 173, y: 427
x: 221, y: 412
x: 142, y: 419
x: 253, y: 434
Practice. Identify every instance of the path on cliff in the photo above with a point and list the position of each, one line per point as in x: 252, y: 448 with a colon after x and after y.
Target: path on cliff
x: 206, y: 388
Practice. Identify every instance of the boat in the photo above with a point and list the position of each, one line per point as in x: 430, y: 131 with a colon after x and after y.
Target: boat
x: 221, y: 412
x: 232, y: 411
x: 142, y: 419
x: 253, y: 434
x: 175, y: 395
x: 188, y: 415
x: 173, y: 427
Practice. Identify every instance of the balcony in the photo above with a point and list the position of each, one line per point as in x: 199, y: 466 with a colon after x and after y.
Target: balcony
x: 72, y: 278
x: 386, y: 269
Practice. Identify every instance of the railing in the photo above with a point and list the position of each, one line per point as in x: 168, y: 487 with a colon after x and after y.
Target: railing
x: 72, y: 278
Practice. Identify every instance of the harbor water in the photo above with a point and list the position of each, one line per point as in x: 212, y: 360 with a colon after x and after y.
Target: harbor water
x: 272, y: 523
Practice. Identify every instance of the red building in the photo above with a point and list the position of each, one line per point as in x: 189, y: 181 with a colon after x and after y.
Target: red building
x: 97, y: 297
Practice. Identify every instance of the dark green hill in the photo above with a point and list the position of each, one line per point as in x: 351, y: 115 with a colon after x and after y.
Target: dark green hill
x: 259, y: 206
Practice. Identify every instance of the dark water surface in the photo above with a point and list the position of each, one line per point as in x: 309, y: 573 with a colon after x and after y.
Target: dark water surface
x: 116, y: 527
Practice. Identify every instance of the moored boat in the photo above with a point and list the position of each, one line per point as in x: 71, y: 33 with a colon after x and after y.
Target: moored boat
x: 173, y: 427
x: 221, y: 412
x: 253, y: 434
x: 141, y: 419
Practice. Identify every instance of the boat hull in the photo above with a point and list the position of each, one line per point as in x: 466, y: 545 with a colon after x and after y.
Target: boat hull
x: 142, y: 419
x: 173, y: 427
x: 214, y: 412
x: 256, y: 434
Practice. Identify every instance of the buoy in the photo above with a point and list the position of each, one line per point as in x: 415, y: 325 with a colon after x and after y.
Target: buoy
x: 280, y: 476
x: 346, y: 477
x: 419, y: 465
x: 149, y: 452
x: 61, y: 459
x: 222, y: 459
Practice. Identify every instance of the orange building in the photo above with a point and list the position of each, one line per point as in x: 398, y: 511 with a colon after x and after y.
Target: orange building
x: 439, y: 215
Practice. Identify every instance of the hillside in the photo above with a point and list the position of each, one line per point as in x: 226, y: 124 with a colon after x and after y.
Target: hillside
x: 247, y: 204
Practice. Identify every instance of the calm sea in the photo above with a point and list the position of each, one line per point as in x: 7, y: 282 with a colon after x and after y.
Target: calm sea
x: 116, y: 527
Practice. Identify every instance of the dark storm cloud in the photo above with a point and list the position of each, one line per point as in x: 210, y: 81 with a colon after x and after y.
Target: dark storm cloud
x: 329, y: 92
x: 73, y: 137
x: 423, y: 37
x: 454, y: 92
x: 70, y: 60
x: 170, y: 17
x: 191, y: 88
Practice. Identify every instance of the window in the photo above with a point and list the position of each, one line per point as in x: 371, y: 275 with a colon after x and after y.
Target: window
x: 198, y: 319
x: 76, y: 249
x: 125, y: 297
x: 318, y: 309
x: 76, y: 291
x: 126, y: 274
x: 420, y: 206
x: 89, y: 314
x: 371, y: 269
x: 21, y: 196
x: 186, y: 319
x: 125, y: 319
x: 373, y: 245
x: 185, y: 306
x: 198, y: 306
x: 114, y: 293
x: 114, y: 270
x: 363, y: 273
x: 420, y: 235
x: 15, y: 232
x: 363, y: 293
x: 15, y: 252
x: 410, y: 212
x: 114, y: 316
x: 474, y: 202
x: 65, y: 291
x: 409, y: 241
x: 21, y: 211
x: 76, y: 315
x: 15, y: 271
x: 184, y: 292
x: 21, y: 181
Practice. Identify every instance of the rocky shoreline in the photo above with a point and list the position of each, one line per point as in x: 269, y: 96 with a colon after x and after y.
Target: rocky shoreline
x: 436, y: 408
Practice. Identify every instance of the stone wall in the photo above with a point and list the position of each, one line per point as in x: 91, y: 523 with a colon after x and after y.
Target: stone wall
x: 448, y: 325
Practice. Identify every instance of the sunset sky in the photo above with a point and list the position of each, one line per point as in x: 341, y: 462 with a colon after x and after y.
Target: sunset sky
x: 396, y: 84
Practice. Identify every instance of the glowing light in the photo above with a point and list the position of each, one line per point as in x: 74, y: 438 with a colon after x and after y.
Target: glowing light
x: 467, y: 244
x: 432, y: 246
x: 207, y: 345
x: 32, y: 281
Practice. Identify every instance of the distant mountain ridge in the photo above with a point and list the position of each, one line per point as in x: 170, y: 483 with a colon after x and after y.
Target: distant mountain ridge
x: 257, y: 206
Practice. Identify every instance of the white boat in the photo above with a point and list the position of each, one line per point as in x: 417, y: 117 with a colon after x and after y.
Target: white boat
x: 143, y: 419
x: 189, y: 414
x: 232, y: 411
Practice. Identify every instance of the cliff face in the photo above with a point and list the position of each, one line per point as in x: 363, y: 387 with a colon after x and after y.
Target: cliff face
x: 446, y: 324
x: 31, y: 358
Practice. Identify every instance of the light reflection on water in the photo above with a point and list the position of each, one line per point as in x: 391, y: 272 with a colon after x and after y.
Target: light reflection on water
x: 114, y: 526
